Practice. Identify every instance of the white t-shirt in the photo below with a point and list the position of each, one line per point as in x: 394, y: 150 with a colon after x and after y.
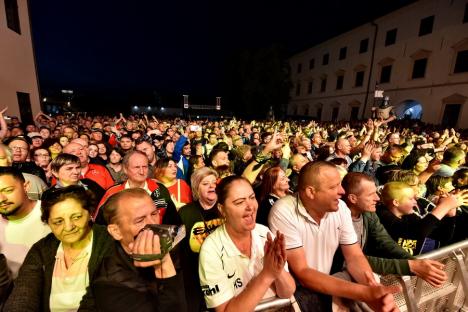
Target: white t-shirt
x: 320, y: 242
x: 17, y: 237
x: 224, y: 270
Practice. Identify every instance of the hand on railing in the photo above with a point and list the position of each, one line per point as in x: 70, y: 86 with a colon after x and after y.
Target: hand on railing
x: 380, y: 298
x: 429, y: 270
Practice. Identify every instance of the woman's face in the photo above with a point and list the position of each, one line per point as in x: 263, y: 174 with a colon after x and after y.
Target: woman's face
x: 170, y: 171
x: 422, y: 164
x: 63, y: 141
x: 41, y: 157
x: 69, y: 221
x: 207, y: 188
x: 240, y: 207
x: 282, y: 182
x: 170, y: 147
x: 101, y: 149
x: 55, y: 148
x: 92, y: 151
x: 68, y: 174
x: 200, y: 163
x: 115, y: 157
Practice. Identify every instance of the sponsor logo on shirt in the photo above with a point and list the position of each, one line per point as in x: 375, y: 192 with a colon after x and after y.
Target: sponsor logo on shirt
x: 210, y: 291
x: 232, y: 275
x: 409, y: 245
x: 238, y: 283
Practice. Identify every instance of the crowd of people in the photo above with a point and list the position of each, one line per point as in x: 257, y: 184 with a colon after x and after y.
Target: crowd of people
x: 310, y: 211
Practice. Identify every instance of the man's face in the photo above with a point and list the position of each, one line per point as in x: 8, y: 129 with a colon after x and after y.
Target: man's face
x: 299, y: 162
x: 68, y: 132
x: 96, y: 136
x: 78, y: 150
x: 12, y: 195
x: 317, y: 139
x: 30, y: 128
x: 213, y: 139
x: 136, y: 213
x: 376, y: 154
x: 221, y: 159
x: 146, y: 148
x: 137, y: 168
x: 345, y: 147
x: 394, y: 138
x: 186, y: 151
x: 367, y: 198
x: 306, y: 143
x: 126, y: 143
x: 45, y: 133
x: 20, y: 150
x: 328, y: 190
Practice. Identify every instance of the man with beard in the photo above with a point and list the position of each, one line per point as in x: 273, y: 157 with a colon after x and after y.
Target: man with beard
x: 21, y: 225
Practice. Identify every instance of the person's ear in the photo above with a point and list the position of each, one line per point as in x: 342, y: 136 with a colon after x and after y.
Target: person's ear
x: 310, y: 192
x: 352, y: 198
x: 114, y: 231
x: 27, y: 186
x: 395, y: 203
x: 221, y: 210
x: 54, y: 173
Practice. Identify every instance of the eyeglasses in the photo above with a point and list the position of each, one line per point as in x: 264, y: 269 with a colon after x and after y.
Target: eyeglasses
x: 21, y: 148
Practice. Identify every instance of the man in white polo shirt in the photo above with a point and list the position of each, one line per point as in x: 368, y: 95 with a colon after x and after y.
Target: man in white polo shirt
x: 315, y: 222
x: 20, y: 225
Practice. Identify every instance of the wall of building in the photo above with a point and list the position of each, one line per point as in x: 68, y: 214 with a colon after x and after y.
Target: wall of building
x: 439, y: 85
x: 18, y: 71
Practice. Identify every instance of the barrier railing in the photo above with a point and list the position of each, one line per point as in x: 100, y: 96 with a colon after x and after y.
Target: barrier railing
x: 418, y: 295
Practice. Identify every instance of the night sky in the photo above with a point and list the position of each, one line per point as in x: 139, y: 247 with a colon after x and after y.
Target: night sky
x: 175, y: 47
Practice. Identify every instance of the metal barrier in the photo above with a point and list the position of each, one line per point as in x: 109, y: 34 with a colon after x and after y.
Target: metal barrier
x: 418, y: 295
x: 273, y: 304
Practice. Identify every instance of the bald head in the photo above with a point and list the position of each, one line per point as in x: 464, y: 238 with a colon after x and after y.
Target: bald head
x: 77, y: 150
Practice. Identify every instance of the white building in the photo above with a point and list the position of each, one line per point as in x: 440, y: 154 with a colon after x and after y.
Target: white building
x: 417, y: 54
x: 18, y: 79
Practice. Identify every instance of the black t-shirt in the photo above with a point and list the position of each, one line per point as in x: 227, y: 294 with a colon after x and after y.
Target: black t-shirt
x: 199, y: 223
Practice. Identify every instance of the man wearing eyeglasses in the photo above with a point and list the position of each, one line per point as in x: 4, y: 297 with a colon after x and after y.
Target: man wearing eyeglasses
x: 21, y: 225
x: 20, y: 153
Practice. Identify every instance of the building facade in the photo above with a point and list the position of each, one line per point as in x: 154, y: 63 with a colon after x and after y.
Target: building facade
x: 418, y: 55
x: 18, y: 79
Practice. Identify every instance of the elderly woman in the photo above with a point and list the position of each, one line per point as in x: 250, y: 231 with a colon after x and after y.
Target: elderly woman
x: 66, y: 169
x: 275, y: 185
x: 166, y: 172
x: 201, y: 217
x: 240, y: 263
x: 59, y: 267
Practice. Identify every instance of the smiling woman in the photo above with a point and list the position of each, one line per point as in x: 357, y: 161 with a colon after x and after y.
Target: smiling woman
x: 59, y: 267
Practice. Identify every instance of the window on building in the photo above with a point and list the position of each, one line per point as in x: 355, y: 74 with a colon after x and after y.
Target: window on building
x: 354, y: 113
x: 461, y: 63
x: 465, y: 16
x: 339, y: 81
x: 325, y: 59
x: 299, y: 68
x: 359, y: 82
x: 426, y: 25
x: 12, y: 15
x: 298, y: 89
x: 390, y: 38
x: 311, y: 63
x: 363, y: 45
x: 343, y: 52
x: 323, y: 84
x: 386, y: 73
x: 309, y: 87
x: 419, y: 68
x: 319, y: 113
x: 335, y: 112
